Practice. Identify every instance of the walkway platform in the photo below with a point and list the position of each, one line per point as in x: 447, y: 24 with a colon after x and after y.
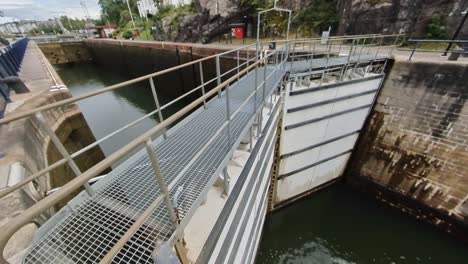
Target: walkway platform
x: 191, y: 158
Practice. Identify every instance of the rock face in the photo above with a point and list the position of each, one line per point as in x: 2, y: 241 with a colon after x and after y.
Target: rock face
x: 212, y: 18
x: 389, y: 16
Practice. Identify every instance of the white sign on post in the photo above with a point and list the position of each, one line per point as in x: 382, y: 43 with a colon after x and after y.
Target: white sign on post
x: 325, y: 36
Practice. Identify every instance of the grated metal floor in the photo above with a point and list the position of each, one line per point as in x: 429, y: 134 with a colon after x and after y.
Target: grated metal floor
x: 90, y: 231
x: 96, y: 224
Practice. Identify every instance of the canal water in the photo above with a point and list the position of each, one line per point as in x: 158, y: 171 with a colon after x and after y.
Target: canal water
x: 335, y: 225
x: 340, y: 225
x: 112, y: 110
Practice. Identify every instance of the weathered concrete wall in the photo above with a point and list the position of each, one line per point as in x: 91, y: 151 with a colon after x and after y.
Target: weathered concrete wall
x: 25, y: 142
x: 137, y: 58
x: 389, y: 16
x: 65, y: 52
x: 416, y: 143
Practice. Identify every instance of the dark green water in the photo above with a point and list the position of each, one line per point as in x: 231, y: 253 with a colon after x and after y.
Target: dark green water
x: 339, y: 225
x: 110, y: 111
x: 336, y: 225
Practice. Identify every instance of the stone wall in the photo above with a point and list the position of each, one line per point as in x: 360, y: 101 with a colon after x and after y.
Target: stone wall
x: 416, y: 142
x: 65, y: 52
x: 389, y: 16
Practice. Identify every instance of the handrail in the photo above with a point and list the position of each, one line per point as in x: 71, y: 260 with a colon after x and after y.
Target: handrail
x: 444, y: 52
x: 437, y: 40
x: 36, y: 175
x: 132, y: 230
x: 34, y: 211
x: 26, y: 113
x: 12, y: 226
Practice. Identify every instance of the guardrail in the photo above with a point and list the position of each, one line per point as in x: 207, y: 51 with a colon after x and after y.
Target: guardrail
x: 249, y: 58
x: 418, y: 42
x: 55, y: 39
x: 11, y: 58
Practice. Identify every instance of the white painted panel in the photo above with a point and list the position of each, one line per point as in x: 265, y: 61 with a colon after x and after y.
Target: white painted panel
x: 309, y: 98
x: 300, y: 137
x: 308, y: 114
x: 330, y: 170
x: 297, y: 138
x: 294, y: 185
x: 320, y: 153
x: 294, y: 139
x: 320, y: 111
x: 319, y: 96
x: 299, y: 161
x: 343, y: 124
x: 311, y: 178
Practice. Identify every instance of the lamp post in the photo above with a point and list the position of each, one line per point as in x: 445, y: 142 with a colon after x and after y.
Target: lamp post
x: 273, y: 9
x: 460, y: 26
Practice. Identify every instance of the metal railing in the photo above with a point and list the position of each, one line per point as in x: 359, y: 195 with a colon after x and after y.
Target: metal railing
x: 11, y: 58
x: 249, y: 59
x: 418, y: 42
x: 56, y: 39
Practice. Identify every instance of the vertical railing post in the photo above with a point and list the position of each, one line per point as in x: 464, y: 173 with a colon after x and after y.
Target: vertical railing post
x: 360, y: 54
x: 226, y: 182
x: 162, y: 185
x: 291, y: 54
x: 238, y: 65
x: 312, y: 59
x: 414, y: 50
x: 228, y: 118
x: 62, y: 150
x: 202, y: 82
x: 326, y: 65
x: 375, y: 57
x: 394, y: 45
x: 218, y: 74
x: 343, y: 71
x: 156, y: 101
x: 10, y: 67
x: 248, y: 55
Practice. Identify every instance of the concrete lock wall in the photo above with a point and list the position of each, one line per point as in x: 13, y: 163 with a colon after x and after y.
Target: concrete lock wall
x: 137, y: 58
x: 66, y: 52
x: 415, y: 145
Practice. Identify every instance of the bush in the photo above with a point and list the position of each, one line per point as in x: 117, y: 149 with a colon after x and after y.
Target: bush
x: 127, y: 34
x: 435, y: 29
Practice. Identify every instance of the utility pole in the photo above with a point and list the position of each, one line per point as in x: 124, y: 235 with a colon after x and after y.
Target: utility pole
x: 85, y: 8
x: 131, y: 16
x: 460, y: 26
x: 219, y: 17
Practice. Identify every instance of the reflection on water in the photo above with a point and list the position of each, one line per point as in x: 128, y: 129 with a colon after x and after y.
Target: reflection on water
x: 339, y: 225
x: 111, y: 110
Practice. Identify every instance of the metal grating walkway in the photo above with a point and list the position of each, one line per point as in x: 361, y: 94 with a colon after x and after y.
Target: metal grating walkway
x: 87, y: 233
x: 90, y: 231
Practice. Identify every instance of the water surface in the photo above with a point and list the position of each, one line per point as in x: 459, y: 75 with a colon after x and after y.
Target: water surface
x: 340, y: 225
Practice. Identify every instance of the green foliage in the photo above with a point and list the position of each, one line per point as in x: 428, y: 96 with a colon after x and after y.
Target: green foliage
x: 127, y: 34
x: 72, y: 23
x: 316, y: 18
x: 435, y: 29
x: 116, y: 11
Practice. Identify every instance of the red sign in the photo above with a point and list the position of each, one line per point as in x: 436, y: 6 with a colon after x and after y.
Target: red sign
x: 237, y: 32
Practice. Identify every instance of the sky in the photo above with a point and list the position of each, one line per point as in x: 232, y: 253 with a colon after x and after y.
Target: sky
x: 45, y: 9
